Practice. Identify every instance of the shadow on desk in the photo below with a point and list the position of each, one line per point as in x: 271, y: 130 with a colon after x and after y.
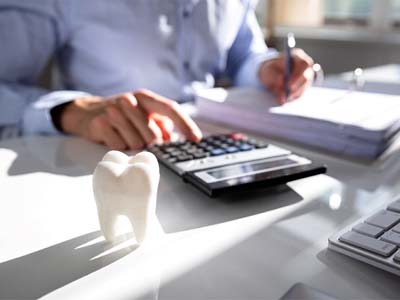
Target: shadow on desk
x: 70, y: 156
x: 182, y: 207
x: 372, y: 281
x: 39, y: 273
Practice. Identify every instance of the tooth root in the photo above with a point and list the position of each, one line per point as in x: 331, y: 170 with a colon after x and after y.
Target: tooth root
x: 140, y: 225
x: 107, y: 222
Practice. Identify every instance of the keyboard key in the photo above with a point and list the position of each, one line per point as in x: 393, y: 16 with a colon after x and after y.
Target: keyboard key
x: 367, y: 243
x: 384, y: 219
x: 395, y: 206
x: 368, y: 229
x: 396, y: 228
x: 396, y: 257
x: 391, y: 237
x: 217, y: 151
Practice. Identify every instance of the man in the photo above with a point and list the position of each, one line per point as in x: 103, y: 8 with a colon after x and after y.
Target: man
x: 121, y: 47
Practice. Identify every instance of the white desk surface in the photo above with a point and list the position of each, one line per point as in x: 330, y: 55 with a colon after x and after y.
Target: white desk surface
x: 253, y: 246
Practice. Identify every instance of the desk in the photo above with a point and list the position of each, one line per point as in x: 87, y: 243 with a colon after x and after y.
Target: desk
x: 253, y: 247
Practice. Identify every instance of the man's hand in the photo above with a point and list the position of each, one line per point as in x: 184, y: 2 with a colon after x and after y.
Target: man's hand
x: 131, y: 120
x: 271, y: 75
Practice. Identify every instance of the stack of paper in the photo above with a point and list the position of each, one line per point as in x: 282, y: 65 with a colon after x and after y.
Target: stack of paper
x: 351, y: 123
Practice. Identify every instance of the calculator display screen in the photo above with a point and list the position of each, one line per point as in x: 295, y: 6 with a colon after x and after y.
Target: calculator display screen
x: 249, y: 168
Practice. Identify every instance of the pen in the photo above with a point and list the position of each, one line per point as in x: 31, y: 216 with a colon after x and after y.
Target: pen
x: 290, y: 43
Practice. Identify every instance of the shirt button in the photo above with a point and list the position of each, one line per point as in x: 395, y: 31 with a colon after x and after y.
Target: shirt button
x: 186, y: 13
x: 186, y: 65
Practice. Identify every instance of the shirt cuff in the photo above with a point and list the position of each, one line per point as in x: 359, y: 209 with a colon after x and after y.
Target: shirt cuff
x: 37, y: 118
x: 247, y: 75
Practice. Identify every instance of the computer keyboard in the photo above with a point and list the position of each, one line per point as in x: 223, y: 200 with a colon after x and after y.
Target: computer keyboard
x: 374, y: 239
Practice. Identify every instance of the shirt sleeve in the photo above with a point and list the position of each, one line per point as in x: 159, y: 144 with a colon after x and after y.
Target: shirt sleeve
x: 248, y: 51
x: 28, y: 39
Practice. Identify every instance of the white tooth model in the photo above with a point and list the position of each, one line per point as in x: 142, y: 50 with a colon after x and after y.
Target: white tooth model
x: 127, y: 186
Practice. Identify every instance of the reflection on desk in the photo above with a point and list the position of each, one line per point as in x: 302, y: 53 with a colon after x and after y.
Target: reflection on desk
x: 248, y: 246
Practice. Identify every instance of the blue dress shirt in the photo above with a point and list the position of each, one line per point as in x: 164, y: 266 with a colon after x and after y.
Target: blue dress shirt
x: 105, y: 47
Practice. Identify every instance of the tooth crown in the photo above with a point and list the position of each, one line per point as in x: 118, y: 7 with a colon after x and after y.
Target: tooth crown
x: 126, y: 186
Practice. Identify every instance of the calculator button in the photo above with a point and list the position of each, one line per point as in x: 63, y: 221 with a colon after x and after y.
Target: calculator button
x: 368, y: 243
x: 209, y: 139
x: 184, y: 157
x: 203, y: 145
x: 232, y: 149
x: 165, y: 156
x: 176, y: 153
x: 199, y: 155
x: 260, y: 145
x: 237, y: 136
x: 194, y: 150
x: 218, y: 143
x: 210, y: 148
x: 172, y: 160
x: 222, y: 138
x: 246, y: 147
x: 217, y: 151
x: 169, y: 149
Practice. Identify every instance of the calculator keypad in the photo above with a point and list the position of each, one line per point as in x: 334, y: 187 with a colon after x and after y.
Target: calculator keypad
x: 214, y: 145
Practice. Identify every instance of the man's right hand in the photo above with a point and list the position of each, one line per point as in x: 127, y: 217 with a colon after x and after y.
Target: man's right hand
x: 127, y: 121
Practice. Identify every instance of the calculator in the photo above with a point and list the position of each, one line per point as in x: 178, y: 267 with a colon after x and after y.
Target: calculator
x: 225, y: 163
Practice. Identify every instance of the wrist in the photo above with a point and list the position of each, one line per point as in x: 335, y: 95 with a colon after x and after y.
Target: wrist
x: 71, y: 117
x: 56, y: 115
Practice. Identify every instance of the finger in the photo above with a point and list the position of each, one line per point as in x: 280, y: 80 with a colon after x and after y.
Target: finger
x: 304, y: 79
x: 279, y: 94
x: 300, y: 90
x: 297, y: 74
x: 102, y: 131
x: 156, y: 129
x: 271, y: 73
x: 165, y: 124
x: 301, y: 62
x: 139, y: 118
x: 129, y: 133
x: 154, y: 103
